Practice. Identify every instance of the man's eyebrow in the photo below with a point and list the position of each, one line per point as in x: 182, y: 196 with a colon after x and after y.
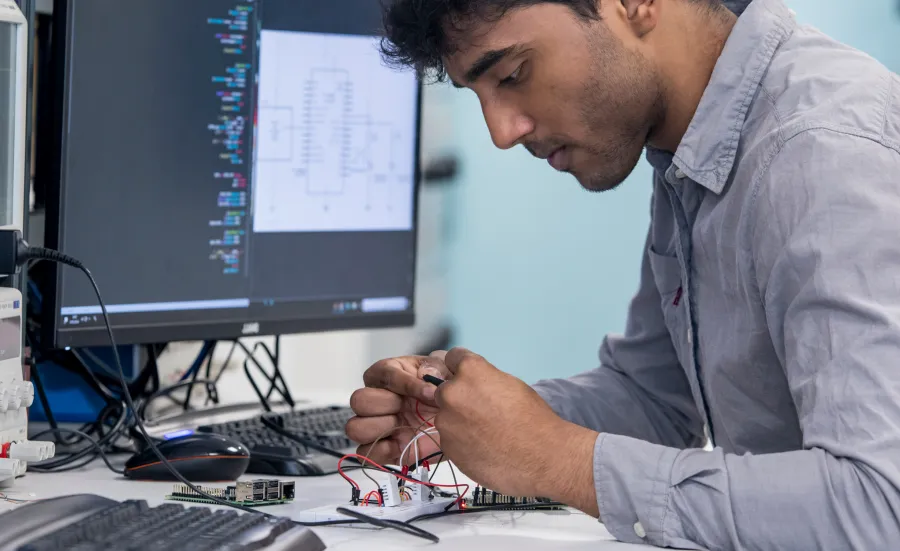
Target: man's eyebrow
x: 486, y: 61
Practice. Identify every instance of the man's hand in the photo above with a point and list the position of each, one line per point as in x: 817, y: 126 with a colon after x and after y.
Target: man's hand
x: 503, y: 435
x: 386, y: 408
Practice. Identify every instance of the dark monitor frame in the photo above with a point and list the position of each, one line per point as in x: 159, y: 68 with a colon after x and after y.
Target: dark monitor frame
x: 54, y: 145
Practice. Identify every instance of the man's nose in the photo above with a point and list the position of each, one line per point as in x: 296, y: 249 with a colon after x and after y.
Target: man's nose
x: 507, y: 125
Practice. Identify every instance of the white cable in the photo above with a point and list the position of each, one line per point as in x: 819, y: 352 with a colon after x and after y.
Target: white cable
x: 413, y: 443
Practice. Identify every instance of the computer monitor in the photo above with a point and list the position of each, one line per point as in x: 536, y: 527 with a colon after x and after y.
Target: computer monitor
x: 229, y: 168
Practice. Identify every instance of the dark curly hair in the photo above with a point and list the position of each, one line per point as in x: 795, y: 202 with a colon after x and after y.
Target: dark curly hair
x: 416, y: 31
x: 419, y: 33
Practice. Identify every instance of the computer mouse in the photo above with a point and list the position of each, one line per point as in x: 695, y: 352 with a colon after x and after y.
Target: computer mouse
x: 199, y: 457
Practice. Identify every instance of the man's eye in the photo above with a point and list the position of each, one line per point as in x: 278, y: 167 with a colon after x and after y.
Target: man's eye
x: 513, y: 78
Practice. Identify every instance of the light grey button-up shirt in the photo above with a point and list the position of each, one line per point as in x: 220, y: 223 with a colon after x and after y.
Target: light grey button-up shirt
x: 767, y: 315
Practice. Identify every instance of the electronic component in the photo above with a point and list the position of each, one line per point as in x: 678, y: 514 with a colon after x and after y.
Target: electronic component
x: 483, y: 497
x: 252, y: 493
x: 389, y: 489
x: 88, y: 522
x: 418, y: 493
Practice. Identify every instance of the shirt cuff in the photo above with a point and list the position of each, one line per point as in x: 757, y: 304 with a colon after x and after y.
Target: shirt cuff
x: 632, y: 480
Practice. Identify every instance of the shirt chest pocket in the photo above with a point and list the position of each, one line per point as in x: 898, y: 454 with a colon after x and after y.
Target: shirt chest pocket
x: 667, y: 276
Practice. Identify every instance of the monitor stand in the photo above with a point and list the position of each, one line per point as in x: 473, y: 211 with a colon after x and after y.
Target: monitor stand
x: 263, y: 372
x: 255, y: 365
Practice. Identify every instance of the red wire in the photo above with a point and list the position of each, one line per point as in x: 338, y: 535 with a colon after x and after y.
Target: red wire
x: 347, y: 478
x: 377, y: 497
x: 406, y: 478
x: 420, y: 416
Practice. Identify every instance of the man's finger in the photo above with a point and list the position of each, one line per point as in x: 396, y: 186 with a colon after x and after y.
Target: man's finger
x: 455, y: 357
x: 434, y: 367
x: 384, y: 452
x: 374, y: 402
x: 390, y: 375
x: 364, y: 430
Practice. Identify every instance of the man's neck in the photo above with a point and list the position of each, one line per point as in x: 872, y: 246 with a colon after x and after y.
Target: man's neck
x: 687, y: 64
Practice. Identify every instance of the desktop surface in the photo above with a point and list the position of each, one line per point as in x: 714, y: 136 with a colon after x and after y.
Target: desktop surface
x: 566, y: 530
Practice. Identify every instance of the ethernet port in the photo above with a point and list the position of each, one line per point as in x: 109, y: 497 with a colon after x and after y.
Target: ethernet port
x: 287, y: 490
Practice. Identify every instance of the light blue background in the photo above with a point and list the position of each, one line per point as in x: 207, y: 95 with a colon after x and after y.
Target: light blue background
x: 529, y: 290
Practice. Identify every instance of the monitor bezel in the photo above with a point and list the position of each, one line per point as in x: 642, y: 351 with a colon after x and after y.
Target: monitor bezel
x: 177, y: 331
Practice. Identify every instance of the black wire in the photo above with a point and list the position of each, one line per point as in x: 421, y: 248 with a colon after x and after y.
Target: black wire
x: 271, y: 425
x: 542, y: 506
x: 415, y: 466
x: 86, y: 373
x: 142, y: 408
x: 407, y: 526
x: 455, y: 482
x: 61, y: 463
x: 206, y: 355
x: 38, y: 467
x: 387, y: 523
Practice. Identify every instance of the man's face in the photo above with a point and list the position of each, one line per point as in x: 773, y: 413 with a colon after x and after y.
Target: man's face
x: 578, y: 93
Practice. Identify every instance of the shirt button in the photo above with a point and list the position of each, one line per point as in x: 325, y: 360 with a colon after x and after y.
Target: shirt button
x: 639, y: 530
x: 680, y: 174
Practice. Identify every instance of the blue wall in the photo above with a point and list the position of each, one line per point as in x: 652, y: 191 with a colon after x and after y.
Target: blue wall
x: 530, y: 290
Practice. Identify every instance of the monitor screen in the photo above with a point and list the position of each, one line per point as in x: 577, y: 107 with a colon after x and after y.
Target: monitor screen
x: 229, y: 168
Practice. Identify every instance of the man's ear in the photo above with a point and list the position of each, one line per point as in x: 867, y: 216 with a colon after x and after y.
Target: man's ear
x: 643, y: 15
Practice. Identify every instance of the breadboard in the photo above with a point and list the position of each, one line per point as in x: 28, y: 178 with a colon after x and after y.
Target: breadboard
x: 402, y: 512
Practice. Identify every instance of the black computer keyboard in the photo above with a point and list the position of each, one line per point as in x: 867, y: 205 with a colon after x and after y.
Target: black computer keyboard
x: 273, y: 454
x: 92, y: 523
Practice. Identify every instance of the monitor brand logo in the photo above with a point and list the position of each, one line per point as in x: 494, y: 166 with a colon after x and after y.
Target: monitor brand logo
x: 250, y: 328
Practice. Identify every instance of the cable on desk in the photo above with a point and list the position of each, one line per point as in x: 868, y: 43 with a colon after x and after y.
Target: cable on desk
x: 60, y: 464
x: 386, y: 523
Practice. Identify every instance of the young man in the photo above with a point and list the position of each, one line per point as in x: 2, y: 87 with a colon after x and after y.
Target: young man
x: 767, y: 319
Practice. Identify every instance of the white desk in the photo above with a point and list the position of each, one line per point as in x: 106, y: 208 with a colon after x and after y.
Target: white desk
x: 514, y: 530
x: 519, y: 530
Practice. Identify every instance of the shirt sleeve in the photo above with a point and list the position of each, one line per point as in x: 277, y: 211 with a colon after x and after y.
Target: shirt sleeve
x: 825, y: 236
x: 640, y: 389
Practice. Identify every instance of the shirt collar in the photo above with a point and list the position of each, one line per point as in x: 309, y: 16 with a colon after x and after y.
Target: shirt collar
x: 709, y: 147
